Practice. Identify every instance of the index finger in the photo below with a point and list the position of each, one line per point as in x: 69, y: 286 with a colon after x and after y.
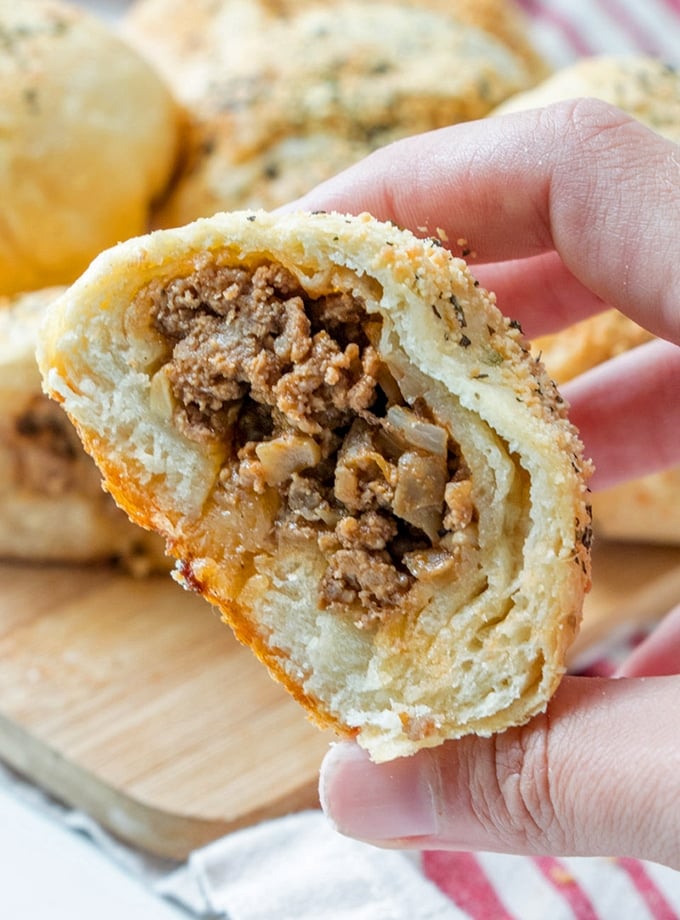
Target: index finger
x: 579, y: 177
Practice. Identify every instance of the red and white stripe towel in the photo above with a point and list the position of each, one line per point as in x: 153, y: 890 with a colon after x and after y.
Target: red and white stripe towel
x: 487, y: 886
x: 568, y: 29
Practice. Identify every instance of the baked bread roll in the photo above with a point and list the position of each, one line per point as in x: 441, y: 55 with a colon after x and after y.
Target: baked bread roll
x: 349, y: 451
x: 504, y: 19
x: 646, y: 509
x: 590, y: 342
x: 644, y: 87
x: 52, y: 506
x: 283, y: 95
x: 89, y: 140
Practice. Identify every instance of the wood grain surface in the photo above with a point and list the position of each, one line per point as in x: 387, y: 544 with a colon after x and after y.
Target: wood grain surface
x: 130, y: 700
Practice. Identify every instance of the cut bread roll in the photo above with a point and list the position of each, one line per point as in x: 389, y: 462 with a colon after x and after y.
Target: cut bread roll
x: 52, y: 506
x: 350, y: 452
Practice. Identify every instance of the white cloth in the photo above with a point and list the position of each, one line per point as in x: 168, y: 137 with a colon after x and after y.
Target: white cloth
x: 291, y: 868
x: 298, y: 868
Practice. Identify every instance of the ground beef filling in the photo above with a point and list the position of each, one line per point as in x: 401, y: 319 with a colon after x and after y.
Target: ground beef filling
x: 296, y: 389
x: 49, y: 459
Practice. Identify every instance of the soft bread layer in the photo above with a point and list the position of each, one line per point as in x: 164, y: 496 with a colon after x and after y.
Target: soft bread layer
x: 475, y: 649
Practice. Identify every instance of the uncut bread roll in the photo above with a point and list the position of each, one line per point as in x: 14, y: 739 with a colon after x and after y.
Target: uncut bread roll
x: 52, y: 506
x: 504, y: 19
x: 282, y: 95
x: 89, y: 138
x: 643, y: 86
x: 646, y: 509
x: 592, y: 341
x: 349, y: 451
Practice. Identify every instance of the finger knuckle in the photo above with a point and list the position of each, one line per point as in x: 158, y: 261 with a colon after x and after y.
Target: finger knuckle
x: 520, y: 802
x: 588, y: 122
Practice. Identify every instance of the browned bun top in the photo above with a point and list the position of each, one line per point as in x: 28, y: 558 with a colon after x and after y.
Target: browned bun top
x: 284, y: 95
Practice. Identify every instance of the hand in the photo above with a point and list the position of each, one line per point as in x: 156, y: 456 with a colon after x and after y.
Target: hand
x: 563, y: 211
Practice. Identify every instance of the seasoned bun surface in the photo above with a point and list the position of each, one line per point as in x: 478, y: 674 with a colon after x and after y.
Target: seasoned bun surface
x: 88, y: 139
x: 274, y: 87
x: 644, y: 87
x: 349, y: 451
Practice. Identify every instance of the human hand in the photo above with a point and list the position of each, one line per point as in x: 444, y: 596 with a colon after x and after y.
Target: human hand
x: 563, y: 211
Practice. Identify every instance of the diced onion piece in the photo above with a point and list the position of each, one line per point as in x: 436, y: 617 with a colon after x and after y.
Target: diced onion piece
x: 388, y: 385
x: 419, y: 493
x: 160, y: 395
x: 402, y: 372
x: 416, y: 432
x: 460, y: 507
x: 281, y: 457
x: 358, y: 462
x: 426, y: 564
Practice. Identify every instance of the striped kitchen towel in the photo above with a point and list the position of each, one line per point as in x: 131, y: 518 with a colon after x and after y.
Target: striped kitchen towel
x: 565, y: 30
x: 492, y: 886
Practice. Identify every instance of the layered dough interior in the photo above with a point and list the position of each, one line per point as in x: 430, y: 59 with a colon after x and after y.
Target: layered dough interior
x: 322, y: 439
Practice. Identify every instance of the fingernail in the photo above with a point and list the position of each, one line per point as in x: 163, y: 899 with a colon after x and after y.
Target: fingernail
x: 377, y: 802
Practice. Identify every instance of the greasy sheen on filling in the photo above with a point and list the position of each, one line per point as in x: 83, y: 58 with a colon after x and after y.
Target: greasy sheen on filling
x: 310, y: 416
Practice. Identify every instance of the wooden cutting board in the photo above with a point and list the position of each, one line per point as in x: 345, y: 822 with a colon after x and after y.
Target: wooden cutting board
x: 130, y: 700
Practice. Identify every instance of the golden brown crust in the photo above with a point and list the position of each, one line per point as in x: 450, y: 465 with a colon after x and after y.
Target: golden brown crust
x: 643, y: 510
x: 570, y: 352
x: 89, y: 140
x: 476, y: 652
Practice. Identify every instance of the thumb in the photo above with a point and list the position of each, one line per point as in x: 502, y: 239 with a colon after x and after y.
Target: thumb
x: 597, y: 774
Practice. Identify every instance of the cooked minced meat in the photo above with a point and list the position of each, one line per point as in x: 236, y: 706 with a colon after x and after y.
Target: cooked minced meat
x: 49, y: 459
x: 298, y: 393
